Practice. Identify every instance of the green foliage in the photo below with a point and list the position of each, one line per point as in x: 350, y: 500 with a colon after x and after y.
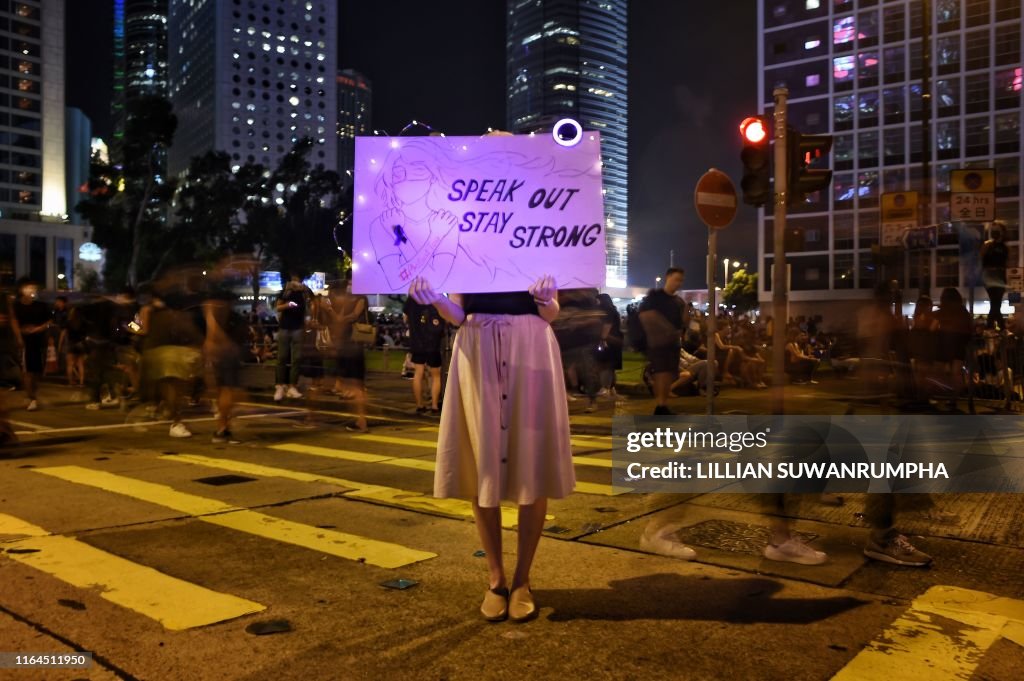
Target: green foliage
x: 127, y: 202
x: 741, y: 291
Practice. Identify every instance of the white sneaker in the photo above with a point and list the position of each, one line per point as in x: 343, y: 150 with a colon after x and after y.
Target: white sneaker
x: 278, y: 393
x: 793, y: 550
x: 32, y: 406
x: 293, y: 393
x: 110, y: 401
x: 179, y: 430
x: 603, y: 392
x: 93, y: 406
x: 666, y: 547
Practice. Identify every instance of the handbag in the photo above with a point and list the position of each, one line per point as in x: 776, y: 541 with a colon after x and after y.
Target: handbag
x: 323, y: 339
x: 364, y: 332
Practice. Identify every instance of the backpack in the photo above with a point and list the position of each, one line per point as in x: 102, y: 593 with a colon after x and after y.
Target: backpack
x: 635, y: 330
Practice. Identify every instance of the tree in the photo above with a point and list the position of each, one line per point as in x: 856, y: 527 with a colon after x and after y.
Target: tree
x: 741, y: 291
x: 127, y: 202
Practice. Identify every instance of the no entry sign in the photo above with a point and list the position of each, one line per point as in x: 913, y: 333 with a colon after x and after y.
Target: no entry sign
x: 715, y: 199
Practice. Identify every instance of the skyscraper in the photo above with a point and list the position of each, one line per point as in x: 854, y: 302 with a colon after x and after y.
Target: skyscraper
x: 567, y: 58
x: 854, y: 68
x: 140, y: 57
x: 77, y: 154
x: 355, y: 112
x: 250, y: 78
x: 35, y: 240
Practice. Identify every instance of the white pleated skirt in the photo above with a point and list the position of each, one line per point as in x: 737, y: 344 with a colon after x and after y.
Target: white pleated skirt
x: 504, y: 432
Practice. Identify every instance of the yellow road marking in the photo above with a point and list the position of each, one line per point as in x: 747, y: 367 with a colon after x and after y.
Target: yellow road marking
x: 943, y: 635
x: 426, y: 465
x: 392, y: 440
x: 388, y: 496
x: 340, y: 544
x: 590, y: 420
x: 173, y: 602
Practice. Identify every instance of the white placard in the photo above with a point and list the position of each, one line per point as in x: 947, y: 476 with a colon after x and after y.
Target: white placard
x: 477, y: 214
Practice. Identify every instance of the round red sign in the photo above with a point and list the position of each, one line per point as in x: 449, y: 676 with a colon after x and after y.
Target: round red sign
x: 715, y: 199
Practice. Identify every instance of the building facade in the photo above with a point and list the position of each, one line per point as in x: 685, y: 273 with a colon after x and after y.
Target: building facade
x: 355, y: 116
x: 567, y: 58
x: 140, y: 58
x: 35, y: 239
x: 855, y: 69
x: 251, y: 78
x: 77, y: 154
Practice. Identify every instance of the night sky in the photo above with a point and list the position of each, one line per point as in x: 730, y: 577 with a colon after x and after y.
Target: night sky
x: 692, y: 78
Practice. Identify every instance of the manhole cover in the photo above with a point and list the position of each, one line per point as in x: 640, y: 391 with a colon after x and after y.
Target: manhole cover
x: 220, y: 480
x: 726, y: 535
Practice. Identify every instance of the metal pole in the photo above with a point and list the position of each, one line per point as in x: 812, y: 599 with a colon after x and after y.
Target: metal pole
x: 712, y: 317
x: 779, y: 293
x: 925, y: 213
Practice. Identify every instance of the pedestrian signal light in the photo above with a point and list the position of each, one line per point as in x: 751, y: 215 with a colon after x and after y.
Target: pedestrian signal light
x: 806, y: 155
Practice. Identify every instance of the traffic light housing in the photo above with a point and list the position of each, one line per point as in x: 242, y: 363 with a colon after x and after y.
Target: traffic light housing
x: 805, y: 154
x: 757, y: 161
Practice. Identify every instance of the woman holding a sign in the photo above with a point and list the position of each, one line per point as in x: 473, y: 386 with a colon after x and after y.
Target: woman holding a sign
x: 504, y: 424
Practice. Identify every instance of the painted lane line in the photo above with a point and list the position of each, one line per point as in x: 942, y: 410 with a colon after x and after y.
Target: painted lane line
x: 944, y: 634
x: 143, y: 425
x: 380, y: 494
x: 340, y: 544
x: 173, y: 602
x: 412, y: 442
x: 429, y: 466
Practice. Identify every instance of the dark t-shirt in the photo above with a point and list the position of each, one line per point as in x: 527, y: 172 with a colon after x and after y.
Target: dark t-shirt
x: 32, y: 314
x: 292, y: 318
x: 520, y: 302
x: 996, y: 256
x: 670, y: 307
x: 426, y: 328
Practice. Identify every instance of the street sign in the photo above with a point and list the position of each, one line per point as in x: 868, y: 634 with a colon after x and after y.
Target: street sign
x: 715, y: 199
x: 920, y: 238
x: 899, y: 213
x: 973, y: 195
x: 1015, y: 279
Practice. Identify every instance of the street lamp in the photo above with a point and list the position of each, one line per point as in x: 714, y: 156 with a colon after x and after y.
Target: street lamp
x: 657, y: 282
x: 725, y: 262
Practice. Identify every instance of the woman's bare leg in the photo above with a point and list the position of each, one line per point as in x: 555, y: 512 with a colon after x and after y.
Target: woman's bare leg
x: 531, y: 524
x: 488, y: 524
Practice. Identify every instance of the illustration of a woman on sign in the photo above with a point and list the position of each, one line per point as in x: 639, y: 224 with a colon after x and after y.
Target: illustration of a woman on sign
x: 415, y: 236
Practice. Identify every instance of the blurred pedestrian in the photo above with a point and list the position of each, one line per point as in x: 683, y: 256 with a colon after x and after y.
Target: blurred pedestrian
x: 171, y: 359
x: 32, y: 323
x: 225, y: 335
x: 994, y: 258
x: 291, y: 318
x: 504, y: 426
x: 609, y: 350
x: 350, y: 309
x: 426, y: 334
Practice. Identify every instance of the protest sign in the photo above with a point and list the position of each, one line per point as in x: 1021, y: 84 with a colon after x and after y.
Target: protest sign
x: 477, y: 214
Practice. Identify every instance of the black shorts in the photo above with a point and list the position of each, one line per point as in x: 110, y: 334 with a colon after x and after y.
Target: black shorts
x: 35, y: 355
x: 431, y: 358
x: 227, y: 370
x: 664, y: 360
x: 351, y: 362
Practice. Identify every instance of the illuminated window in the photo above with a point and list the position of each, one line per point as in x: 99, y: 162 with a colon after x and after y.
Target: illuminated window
x: 843, y: 69
x: 813, y: 80
x: 812, y: 44
x: 843, y: 31
x: 812, y: 4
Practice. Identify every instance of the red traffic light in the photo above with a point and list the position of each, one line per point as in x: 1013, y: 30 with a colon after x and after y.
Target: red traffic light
x: 753, y: 130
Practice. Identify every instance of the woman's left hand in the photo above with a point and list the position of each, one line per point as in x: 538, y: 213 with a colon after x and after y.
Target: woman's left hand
x: 422, y: 292
x: 544, y: 289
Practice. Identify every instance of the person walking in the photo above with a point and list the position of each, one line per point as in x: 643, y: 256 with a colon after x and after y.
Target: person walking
x: 994, y: 258
x: 348, y: 309
x: 426, y: 333
x: 662, y: 315
x: 225, y: 334
x: 291, y: 315
x: 32, y: 323
x: 504, y: 426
